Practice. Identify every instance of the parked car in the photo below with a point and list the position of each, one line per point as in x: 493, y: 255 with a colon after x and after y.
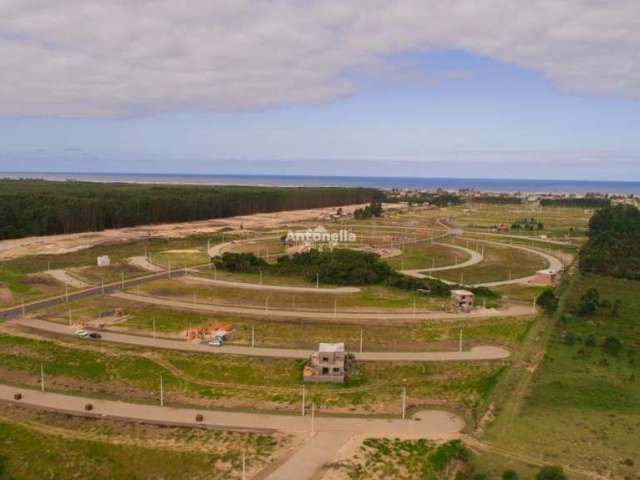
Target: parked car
x: 216, y: 342
x: 95, y: 335
x: 81, y: 333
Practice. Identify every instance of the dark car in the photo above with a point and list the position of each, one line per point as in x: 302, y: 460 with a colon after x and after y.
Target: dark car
x: 95, y: 335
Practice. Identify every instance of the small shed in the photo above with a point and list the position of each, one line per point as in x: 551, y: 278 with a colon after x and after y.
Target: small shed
x: 330, y: 364
x: 545, y: 277
x: 461, y: 300
x: 104, y: 261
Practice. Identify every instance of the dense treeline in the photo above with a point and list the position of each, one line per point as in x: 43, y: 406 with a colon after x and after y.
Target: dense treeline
x: 498, y: 200
x: 441, y: 199
x: 340, y: 267
x: 37, y: 207
x: 613, y: 247
x: 374, y: 209
x: 585, y: 202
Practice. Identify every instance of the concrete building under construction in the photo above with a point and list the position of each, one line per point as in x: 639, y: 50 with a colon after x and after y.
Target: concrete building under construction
x: 330, y: 364
x: 461, y: 301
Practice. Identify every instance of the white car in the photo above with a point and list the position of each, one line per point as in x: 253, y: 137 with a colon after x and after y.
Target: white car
x: 216, y: 342
x: 82, y: 333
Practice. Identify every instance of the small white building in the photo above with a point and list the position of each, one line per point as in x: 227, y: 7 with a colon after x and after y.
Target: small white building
x: 104, y: 261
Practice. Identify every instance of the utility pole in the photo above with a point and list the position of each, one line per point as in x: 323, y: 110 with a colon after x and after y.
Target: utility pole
x: 23, y: 309
x: 317, y: 279
x: 460, y: 341
x: 361, y: 338
x: 303, y: 399
x: 253, y: 335
x: 161, y: 392
x: 404, y: 402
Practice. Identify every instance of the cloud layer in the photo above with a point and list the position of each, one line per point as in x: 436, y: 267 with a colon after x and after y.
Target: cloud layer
x: 105, y: 58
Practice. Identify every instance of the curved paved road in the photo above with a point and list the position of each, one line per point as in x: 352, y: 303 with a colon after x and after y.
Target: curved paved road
x: 264, y: 286
x: 474, y: 257
x: 475, y: 354
x: 512, y: 311
x: 554, y: 263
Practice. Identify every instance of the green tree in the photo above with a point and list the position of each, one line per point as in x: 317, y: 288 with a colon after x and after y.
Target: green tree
x: 510, y: 475
x: 612, y: 345
x: 589, y: 302
x: 551, y: 473
x: 547, y: 300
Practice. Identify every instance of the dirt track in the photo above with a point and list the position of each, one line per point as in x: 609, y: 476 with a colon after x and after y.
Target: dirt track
x: 478, y: 353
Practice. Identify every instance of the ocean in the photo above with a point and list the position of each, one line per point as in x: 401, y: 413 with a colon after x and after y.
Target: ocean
x: 482, y: 184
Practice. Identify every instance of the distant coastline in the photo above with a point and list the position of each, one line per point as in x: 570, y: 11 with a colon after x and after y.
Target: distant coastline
x: 481, y: 184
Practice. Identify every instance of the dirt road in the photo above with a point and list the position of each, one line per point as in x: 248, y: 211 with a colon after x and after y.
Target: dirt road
x: 478, y: 353
x: 64, y: 277
x: 275, y: 288
x: 512, y: 311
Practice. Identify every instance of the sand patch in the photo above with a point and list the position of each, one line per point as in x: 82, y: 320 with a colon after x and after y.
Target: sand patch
x: 6, y: 297
x: 185, y: 250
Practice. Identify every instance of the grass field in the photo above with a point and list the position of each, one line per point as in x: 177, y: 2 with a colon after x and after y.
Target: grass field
x: 48, y: 446
x: 227, y: 381
x: 369, y: 297
x: 426, y: 255
x: 582, y: 406
x: 27, y: 281
x: 499, y: 263
x: 428, y: 335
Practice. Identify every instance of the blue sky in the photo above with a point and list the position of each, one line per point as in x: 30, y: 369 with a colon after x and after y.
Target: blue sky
x: 412, y: 109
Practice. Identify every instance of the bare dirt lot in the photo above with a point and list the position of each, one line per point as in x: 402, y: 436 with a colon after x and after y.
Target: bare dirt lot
x: 59, y: 244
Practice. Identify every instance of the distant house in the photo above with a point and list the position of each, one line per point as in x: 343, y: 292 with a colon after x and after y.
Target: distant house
x: 330, y: 364
x: 461, y: 301
x: 104, y: 261
x: 545, y: 277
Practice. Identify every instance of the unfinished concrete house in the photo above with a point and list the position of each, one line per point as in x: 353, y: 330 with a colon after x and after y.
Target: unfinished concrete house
x: 330, y: 364
x: 461, y: 301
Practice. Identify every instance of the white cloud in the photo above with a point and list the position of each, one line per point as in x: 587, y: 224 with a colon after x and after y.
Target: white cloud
x: 124, y: 57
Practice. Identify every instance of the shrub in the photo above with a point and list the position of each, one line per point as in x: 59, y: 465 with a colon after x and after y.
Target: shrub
x: 88, y: 407
x: 612, y: 345
x: 590, y: 341
x: 240, y: 262
x: 547, y: 300
x: 17, y: 396
x: 509, y: 475
x: 551, y: 473
x: 453, y: 450
x: 589, y: 302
